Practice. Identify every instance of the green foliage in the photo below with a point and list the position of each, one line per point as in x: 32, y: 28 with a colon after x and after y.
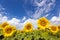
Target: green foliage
x: 35, y: 35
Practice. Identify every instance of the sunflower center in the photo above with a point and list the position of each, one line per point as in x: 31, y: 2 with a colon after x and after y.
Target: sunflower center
x: 58, y: 27
x: 28, y: 27
x: 43, y: 23
x: 8, y: 30
x: 53, y: 28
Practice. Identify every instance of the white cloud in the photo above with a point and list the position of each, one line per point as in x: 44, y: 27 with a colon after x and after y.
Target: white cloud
x: 17, y: 22
x: 14, y: 21
x: 3, y: 18
x: 55, y: 20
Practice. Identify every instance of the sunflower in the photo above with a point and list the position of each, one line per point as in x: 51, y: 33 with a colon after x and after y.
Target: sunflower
x: 28, y: 27
x: 8, y: 31
x: 53, y: 29
x: 3, y: 25
x: 43, y: 23
x: 59, y: 27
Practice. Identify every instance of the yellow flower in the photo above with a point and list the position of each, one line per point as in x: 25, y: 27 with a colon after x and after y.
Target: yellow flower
x: 3, y: 25
x: 59, y: 27
x: 9, y: 30
x: 53, y: 29
x: 28, y: 27
x: 43, y: 23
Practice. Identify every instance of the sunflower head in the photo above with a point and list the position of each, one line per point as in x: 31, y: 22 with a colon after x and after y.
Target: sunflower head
x: 43, y: 23
x: 8, y: 31
x: 53, y: 29
x: 59, y: 28
x: 3, y: 25
x: 28, y: 27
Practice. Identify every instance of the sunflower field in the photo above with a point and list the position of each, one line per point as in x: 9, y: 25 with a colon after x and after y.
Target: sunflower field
x: 44, y: 31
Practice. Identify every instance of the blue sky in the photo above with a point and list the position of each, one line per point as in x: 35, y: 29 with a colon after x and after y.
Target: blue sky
x: 21, y: 8
x: 18, y: 12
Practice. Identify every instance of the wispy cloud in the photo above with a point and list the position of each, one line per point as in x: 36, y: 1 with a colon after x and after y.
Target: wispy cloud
x: 1, y: 8
x: 42, y: 6
x: 46, y: 6
x: 23, y: 19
